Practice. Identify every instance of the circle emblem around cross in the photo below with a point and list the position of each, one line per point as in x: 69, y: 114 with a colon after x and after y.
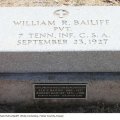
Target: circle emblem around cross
x: 61, y: 13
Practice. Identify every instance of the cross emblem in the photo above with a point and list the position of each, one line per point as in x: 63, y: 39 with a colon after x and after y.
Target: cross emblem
x: 61, y: 13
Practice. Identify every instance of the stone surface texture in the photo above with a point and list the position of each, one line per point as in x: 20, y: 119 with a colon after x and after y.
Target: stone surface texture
x: 18, y: 88
x: 21, y: 62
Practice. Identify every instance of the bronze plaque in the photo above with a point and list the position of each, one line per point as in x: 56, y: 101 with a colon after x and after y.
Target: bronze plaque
x: 60, y: 91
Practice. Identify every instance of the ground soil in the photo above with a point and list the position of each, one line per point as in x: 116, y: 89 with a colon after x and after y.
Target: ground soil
x: 11, y: 3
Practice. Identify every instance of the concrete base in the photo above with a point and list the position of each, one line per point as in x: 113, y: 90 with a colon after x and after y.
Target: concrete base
x: 18, y: 88
x: 26, y: 62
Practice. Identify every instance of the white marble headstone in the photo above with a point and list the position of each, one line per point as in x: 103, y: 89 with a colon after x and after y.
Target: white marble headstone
x: 60, y: 39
